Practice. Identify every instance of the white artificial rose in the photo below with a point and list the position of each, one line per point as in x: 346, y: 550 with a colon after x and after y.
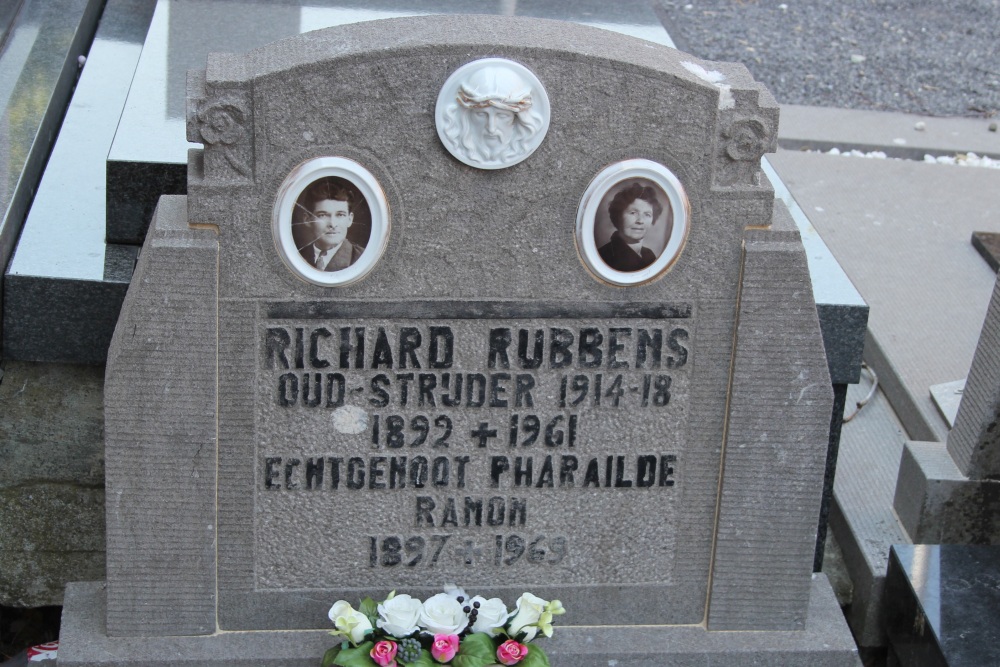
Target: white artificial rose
x: 400, y: 615
x: 349, y: 622
x: 529, y: 610
x: 443, y: 615
x: 492, y: 615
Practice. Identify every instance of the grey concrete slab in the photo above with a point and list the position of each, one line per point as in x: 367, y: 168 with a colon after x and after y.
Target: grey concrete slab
x: 64, y: 286
x: 901, y: 231
x: 896, y: 134
x: 862, y: 519
x: 38, y: 66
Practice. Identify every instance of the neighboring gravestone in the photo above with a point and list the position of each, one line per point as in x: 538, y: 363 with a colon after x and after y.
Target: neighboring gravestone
x: 950, y: 494
x: 544, y: 333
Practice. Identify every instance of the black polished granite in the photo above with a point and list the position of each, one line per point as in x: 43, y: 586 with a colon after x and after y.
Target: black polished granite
x: 64, y: 286
x: 942, y: 605
x: 41, y: 40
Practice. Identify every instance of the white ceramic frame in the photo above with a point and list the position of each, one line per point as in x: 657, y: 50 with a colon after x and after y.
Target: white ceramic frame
x: 448, y: 96
x: 281, y: 220
x: 586, y: 217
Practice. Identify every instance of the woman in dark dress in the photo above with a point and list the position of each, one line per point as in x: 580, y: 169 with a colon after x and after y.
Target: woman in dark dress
x: 633, y: 211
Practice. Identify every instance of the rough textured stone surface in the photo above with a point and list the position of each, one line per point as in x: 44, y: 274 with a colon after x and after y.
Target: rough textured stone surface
x: 160, y: 437
x: 779, y: 419
x: 50, y: 534
x: 974, y: 442
x: 51, y: 487
x: 937, y: 504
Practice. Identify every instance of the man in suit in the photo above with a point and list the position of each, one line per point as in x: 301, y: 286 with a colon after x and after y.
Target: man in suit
x: 633, y: 211
x: 329, y: 215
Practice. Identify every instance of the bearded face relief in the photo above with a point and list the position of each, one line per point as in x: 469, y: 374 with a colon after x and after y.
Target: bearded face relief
x: 492, y: 113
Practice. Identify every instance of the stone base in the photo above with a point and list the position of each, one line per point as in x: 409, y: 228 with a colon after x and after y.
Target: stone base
x: 826, y: 642
x: 937, y: 504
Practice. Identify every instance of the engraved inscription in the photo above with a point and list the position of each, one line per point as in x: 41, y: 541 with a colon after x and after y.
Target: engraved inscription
x: 474, y: 444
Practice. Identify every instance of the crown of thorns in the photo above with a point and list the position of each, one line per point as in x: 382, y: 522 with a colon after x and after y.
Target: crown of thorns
x: 472, y: 101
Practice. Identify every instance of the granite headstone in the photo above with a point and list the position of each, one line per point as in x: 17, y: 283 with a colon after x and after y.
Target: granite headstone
x: 366, y: 353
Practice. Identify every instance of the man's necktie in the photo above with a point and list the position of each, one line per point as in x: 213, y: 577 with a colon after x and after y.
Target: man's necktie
x: 322, y: 260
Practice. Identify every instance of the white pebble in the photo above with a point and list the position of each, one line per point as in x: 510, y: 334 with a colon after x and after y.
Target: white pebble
x: 969, y: 159
x: 857, y: 58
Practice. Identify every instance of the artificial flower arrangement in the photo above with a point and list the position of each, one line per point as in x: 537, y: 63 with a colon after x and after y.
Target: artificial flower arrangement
x: 449, y: 628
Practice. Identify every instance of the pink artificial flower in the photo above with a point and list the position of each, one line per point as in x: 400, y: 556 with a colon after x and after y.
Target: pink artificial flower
x: 384, y: 653
x: 511, y: 652
x: 444, y: 647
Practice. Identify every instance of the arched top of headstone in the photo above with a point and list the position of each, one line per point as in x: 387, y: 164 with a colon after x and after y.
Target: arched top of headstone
x: 221, y: 116
x: 494, y: 133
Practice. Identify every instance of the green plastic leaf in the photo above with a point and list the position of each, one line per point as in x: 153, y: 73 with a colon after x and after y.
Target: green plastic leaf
x: 536, y: 658
x: 370, y: 609
x: 356, y: 657
x: 330, y: 656
x: 476, y: 650
x: 425, y: 660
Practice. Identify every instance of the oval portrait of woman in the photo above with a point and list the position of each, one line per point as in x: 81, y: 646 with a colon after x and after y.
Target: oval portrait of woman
x: 632, y: 222
x: 330, y: 221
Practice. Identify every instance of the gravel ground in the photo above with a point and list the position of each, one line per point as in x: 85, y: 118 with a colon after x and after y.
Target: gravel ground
x: 930, y: 57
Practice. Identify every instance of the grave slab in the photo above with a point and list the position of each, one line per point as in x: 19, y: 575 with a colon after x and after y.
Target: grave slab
x: 250, y: 393
x: 942, y: 605
x: 898, y: 135
x: 902, y: 236
x: 61, y: 306
x: 862, y: 518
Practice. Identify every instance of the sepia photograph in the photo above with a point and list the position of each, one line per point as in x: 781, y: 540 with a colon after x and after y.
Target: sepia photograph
x: 633, y: 225
x: 331, y: 224
x: 330, y: 221
x: 632, y: 222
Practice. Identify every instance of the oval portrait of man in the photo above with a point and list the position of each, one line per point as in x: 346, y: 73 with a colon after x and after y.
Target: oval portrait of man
x: 632, y: 223
x: 331, y: 224
x: 330, y: 221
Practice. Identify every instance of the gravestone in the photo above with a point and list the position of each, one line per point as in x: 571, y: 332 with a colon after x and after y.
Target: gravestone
x: 394, y: 338
x: 951, y: 494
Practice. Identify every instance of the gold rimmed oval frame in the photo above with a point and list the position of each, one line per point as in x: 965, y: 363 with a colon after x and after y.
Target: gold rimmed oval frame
x: 330, y: 221
x: 612, y: 245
